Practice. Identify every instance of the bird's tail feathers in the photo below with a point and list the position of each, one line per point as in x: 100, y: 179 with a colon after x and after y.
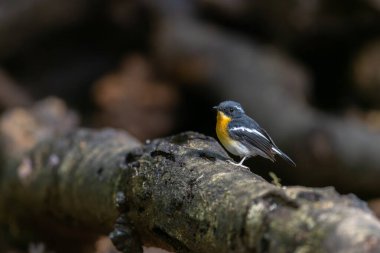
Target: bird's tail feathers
x: 284, y: 156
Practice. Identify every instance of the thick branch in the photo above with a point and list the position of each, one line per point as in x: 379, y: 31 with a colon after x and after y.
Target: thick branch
x: 178, y: 193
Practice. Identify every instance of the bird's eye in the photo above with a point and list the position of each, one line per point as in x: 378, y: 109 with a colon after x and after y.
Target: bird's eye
x: 231, y: 109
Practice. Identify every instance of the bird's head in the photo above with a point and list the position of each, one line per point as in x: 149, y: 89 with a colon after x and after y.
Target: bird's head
x: 230, y: 109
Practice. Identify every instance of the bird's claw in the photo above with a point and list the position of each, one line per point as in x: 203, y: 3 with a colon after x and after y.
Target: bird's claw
x: 237, y: 164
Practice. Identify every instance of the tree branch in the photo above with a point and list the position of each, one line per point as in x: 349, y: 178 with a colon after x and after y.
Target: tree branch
x: 176, y: 193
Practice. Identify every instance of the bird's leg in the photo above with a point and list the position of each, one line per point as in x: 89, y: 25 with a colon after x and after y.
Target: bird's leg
x: 240, y: 163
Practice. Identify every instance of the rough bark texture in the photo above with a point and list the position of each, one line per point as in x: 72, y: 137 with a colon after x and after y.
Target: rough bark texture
x: 177, y: 193
x: 216, y: 207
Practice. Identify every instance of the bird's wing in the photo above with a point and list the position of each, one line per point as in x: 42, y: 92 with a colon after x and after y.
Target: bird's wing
x: 265, y: 133
x: 253, y: 137
x: 251, y: 123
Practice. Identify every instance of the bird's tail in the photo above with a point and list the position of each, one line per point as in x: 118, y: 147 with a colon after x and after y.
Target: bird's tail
x: 284, y: 156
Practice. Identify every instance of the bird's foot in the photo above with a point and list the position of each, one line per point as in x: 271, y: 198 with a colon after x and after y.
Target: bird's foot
x: 237, y: 164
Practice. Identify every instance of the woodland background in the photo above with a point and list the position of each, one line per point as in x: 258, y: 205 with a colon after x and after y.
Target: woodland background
x: 307, y: 71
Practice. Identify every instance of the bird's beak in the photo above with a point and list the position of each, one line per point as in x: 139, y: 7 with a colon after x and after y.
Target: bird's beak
x: 215, y: 108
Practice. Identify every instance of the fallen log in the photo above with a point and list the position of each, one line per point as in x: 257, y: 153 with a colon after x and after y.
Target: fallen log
x: 176, y: 193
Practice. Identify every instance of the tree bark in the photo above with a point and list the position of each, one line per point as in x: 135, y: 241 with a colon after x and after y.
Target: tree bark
x: 177, y: 193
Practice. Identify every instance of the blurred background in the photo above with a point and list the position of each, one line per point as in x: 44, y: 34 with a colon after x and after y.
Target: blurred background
x: 307, y: 71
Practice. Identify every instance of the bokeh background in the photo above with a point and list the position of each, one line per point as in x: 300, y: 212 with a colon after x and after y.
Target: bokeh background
x: 307, y: 71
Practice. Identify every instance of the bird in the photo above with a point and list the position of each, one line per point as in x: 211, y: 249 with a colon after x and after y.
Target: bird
x: 243, y: 136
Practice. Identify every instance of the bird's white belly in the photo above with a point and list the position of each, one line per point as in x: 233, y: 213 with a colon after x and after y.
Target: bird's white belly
x: 238, y: 149
x: 241, y: 150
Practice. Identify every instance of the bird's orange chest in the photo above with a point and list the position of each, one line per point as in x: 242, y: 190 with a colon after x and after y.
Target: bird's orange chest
x: 222, y: 122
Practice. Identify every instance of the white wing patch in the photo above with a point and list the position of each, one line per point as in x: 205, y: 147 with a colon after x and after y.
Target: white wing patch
x: 277, y: 150
x: 250, y: 130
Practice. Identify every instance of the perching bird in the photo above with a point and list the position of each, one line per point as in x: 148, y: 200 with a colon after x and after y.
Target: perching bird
x: 242, y: 136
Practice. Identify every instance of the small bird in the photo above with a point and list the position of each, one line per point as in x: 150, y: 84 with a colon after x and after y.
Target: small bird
x: 242, y: 136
